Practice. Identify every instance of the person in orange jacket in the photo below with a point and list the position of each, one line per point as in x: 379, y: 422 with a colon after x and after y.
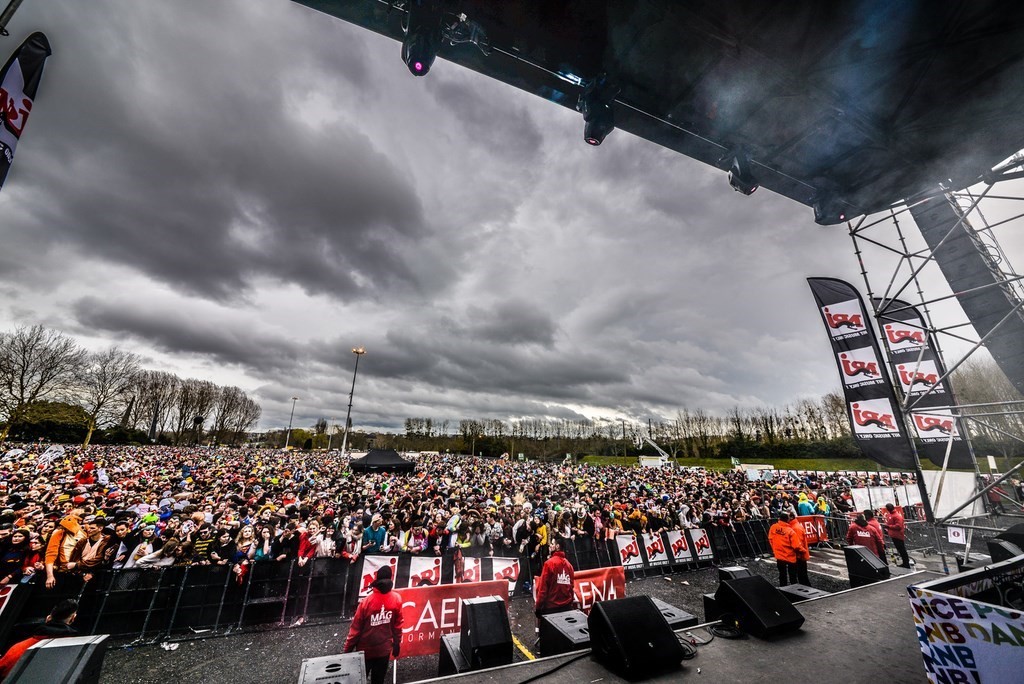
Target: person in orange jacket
x: 62, y: 543
x: 783, y: 542
x: 803, y: 552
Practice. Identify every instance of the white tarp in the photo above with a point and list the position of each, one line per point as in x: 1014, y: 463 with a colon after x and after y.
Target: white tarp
x: 956, y: 489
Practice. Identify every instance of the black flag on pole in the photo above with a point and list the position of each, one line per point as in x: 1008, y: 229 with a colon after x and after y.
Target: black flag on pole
x: 19, y: 81
x: 874, y: 412
x: 917, y: 368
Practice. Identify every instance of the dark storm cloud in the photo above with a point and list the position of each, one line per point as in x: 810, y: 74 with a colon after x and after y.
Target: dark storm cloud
x: 200, y: 172
x: 179, y: 331
x: 511, y: 323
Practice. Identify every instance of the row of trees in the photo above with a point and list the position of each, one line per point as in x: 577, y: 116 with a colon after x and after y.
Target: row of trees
x: 40, y: 367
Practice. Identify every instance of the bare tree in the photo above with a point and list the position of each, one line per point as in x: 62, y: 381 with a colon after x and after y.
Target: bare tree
x: 194, y: 403
x: 156, y: 394
x: 106, y: 382
x: 247, y: 415
x: 229, y: 403
x: 36, y: 364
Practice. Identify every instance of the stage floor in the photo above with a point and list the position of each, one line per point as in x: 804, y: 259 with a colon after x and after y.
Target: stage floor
x: 860, y: 635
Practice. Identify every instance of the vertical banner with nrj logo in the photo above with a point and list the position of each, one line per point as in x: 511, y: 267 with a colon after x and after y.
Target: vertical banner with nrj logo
x: 917, y: 367
x: 506, y: 569
x: 629, y: 551
x: 873, y: 409
x: 371, y: 564
x: 19, y: 82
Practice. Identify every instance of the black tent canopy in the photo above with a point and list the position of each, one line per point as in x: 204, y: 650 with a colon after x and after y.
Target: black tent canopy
x: 378, y: 460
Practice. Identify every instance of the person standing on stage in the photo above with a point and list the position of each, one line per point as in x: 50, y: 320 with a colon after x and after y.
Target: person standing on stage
x: 865, y: 535
x: 376, y: 629
x: 897, y: 527
x: 803, y: 552
x: 783, y: 542
x: 872, y: 521
x: 555, y: 586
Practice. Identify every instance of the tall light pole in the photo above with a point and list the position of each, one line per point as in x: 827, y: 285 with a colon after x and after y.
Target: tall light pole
x: 358, y: 351
x: 288, y: 438
x: 330, y: 433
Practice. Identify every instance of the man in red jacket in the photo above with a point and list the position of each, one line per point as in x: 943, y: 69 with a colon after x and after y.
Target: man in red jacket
x: 555, y: 586
x: 865, y: 535
x: 377, y: 627
x: 897, y: 527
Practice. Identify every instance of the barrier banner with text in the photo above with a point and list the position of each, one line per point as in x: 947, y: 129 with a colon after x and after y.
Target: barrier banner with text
x: 429, y: 613
x: 963, y: 640
x: 815, y: 530
x: 600, y: 584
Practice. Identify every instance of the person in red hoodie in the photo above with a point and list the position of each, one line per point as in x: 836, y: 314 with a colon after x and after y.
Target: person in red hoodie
x: 869, y: 516
x: 377, y: 627
x: 865, y: 535
x: 897, y: 527
x: 555, y: 586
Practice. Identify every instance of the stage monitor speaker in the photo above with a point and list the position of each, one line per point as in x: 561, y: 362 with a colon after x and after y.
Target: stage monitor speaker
x: 1001, y: 549
x: 486, y: 635
x: 346, y: 668
x: 563, y: 632
x: 677, y: 618
x: 69, y: 660
x: 759, y: 607
x: 711, y: 610
x: 801, y: 592
x: 733, y: 572
x: 631, y: 637
x: 863, y: 566
x: 1014, y: 535
x: 450, y: 660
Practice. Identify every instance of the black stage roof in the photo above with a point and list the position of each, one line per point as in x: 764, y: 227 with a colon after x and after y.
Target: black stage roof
x: 850, y: 105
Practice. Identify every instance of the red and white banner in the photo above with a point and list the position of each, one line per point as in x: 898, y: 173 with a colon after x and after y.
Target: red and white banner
x: 19, y: 82
x: 424, y: 572
x: 629, y: 551
x: 654, y: 545
x: 371, y: 564
x: 701, y: 544
x: 506, y: 569
x: 468, y: 570
x: 602, y: 584
x: 679, y: 546
x: 814, y: 528
x: 428, y: 613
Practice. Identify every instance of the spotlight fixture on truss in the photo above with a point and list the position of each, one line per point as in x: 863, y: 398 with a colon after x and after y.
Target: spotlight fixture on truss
x: 422, y: 36
x: 596, y: 106
x: 741, y: 177
x: 829, y: 210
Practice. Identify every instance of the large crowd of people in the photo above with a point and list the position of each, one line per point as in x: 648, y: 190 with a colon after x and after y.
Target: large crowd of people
x: 153, y: 506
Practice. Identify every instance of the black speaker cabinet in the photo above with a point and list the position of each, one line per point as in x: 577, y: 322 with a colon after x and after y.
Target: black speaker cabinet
x: 1001, y: 549
x: 733, y: 572
x: 631, y: 637
x: 677, y: 618
x: 711, y: 611
x: 759, y: 607
x: 347, y: 668
x: 801, y: 592
x: 70, y: 660
x: 863, y: 566
x: 450, y: 660
x: 563, y: 632
x: 486, y: 635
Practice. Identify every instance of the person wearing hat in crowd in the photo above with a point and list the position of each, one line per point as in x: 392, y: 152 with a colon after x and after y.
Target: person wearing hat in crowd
x: 783, y: 541
x: 376, y: 628
x: 57, y: 625
x: 373, y: 536
x: 62, y: 542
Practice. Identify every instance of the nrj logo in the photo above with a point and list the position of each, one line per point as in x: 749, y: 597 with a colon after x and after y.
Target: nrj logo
x: 931, y: 424
x: 873, y: 416
x: 859, y: 365
x: 630, y: 550
x: 902, y: 336
x: 843, y: 318
x: 656, y: 547
x: 918, y: 377
x: 679, y: 546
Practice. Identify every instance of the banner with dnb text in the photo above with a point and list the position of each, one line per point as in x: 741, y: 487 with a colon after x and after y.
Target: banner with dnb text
x: 19, y: 82
x: 917, y: 368
x: 872, y: 407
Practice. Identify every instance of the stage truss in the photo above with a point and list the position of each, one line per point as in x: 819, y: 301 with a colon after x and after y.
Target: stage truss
x: 897, y: 263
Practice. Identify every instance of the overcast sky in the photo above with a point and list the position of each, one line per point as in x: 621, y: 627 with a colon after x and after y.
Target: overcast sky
x: 243, y: 191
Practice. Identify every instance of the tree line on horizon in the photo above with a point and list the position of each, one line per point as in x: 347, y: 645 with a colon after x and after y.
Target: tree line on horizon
x: 51, y: 387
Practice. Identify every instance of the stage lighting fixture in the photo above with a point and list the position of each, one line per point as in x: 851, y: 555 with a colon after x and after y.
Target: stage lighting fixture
x: 596, y: 105
x: 422, y: 36
x: 828, y: 210
x: 741, y: 178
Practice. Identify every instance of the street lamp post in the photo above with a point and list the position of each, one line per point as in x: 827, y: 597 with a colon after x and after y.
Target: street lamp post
x: 288, y: 437
x: 358, y: 351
